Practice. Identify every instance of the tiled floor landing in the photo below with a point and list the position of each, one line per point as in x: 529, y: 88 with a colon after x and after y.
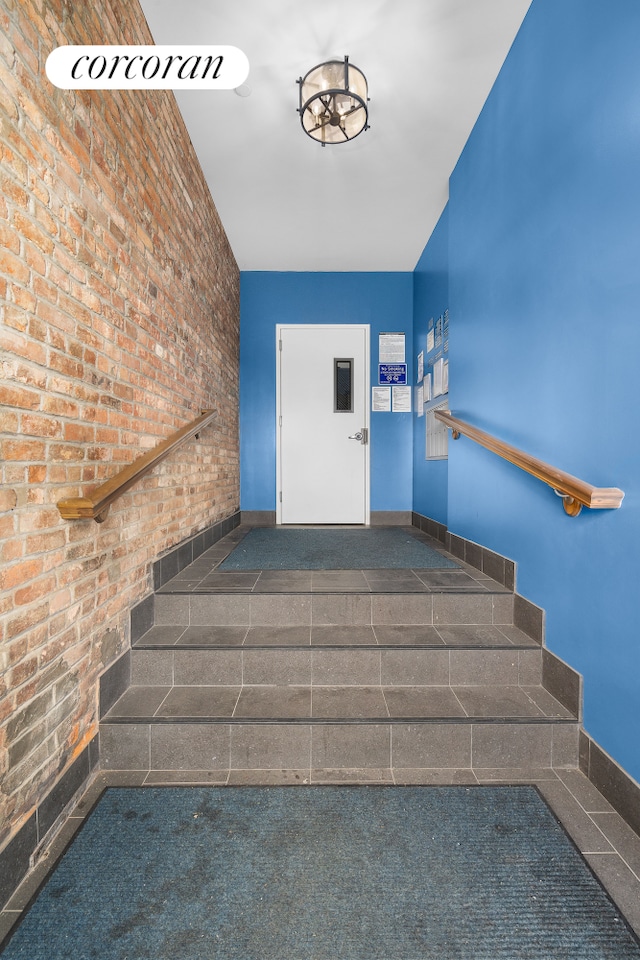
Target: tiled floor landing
x: 204, y: 576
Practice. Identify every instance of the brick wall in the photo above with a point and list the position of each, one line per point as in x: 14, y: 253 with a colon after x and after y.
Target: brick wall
x: 120, y: 324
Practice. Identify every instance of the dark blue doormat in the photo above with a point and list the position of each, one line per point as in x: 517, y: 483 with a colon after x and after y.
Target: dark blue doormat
x: 322, y: 873
x: 278, y: 548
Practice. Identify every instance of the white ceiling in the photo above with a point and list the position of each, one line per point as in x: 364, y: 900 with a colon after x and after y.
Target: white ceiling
x: 286, y: 202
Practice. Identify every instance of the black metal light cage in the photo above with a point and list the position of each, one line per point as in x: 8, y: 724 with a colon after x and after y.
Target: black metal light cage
x: 333, y: 102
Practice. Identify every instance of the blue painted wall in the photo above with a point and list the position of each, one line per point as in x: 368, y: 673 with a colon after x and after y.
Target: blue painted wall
x: 430, y: 300
x: 383, y: 300
x: 544, y: 284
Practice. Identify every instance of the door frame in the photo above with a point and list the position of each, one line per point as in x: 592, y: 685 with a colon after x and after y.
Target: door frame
x: 366, y: 328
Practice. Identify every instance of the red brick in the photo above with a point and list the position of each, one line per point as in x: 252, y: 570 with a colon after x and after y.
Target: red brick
x: 23, y: 450
x: 38, y: 426
x: 63, y: 364
x: 34, y: 591
x: 38, y: 519
x: 60, y: 406
x: 7, y: 525
x: 9, y: 422
x: 25, y: 373
x: 21, y: 573
x: 65, y: 451
x: 35, y: 260
x: 8, y: 499
x: 22, y: 346
x: 12, y: 550
x: 13, y: 266
x: 9, y: 239
x: 32, y: 231
x: 14, y: 194
x: 79, y: 433
x: 23, y: 671
x: 36, y: 473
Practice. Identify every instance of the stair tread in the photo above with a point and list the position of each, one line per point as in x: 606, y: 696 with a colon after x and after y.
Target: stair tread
x: 337, y: 703
x: 201, y: 579
x: 377, y: 636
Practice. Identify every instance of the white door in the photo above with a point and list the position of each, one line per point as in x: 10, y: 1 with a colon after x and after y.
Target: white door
x: 323, y: 452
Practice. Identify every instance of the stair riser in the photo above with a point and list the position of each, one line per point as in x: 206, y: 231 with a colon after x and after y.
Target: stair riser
x: 336, y: 667
x: 287, y: 746
x: 325, y: 609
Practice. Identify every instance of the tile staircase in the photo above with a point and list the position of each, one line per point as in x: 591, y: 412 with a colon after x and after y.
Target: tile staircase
x: 385, y: 676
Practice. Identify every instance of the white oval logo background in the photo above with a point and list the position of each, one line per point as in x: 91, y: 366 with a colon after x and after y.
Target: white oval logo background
x: 162, y: 67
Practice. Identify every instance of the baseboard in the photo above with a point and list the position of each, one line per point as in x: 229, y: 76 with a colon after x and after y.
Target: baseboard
x: 190, y: 549
x: 391, y: 518
x: 16, y: 859
x: 378, y: 518
x: 113, y: 682
x: 258, y: 518
x: 433, y: 528
x: 614, y: 783
x: 529, y: 618
x: 493, y: 564
x: 563, y: 682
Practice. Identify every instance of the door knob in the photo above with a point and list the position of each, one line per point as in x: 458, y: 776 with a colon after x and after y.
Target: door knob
x: 355, y: 436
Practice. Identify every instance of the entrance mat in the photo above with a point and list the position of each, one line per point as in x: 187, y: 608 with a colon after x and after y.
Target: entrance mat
x: 277, y: 548
x: 322, y: 873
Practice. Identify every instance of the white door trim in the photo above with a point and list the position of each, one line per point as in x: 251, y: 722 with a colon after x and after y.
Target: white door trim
x: 365, y: 327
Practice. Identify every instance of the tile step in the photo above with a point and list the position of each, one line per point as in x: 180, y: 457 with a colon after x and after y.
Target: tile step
x: 327, y: 665
x: 333, y: 609
x: 209, y: 635
x: 337, y: 744
x: 321, y: 703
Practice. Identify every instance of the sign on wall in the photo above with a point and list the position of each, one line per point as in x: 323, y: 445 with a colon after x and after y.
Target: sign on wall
x: 393, y: 373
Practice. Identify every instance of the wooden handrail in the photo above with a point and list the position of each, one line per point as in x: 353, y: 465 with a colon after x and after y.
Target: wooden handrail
x: 96, y: 505
x: 575, y: 493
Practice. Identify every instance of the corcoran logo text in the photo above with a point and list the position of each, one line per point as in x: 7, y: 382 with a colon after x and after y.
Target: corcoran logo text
x: 147, y: 67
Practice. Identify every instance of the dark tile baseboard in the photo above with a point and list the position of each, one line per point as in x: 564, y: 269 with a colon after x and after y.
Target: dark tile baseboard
x: 385, y: 518
x: 391, y: 518
x: 17, y: 857
x: 114, y: 681
x: 259, y: 518
x: 432, y: 527
x: 615, y: 785
x: 529, y: 618
x: 493, y: 564
x: 562, y: 682
x: 190, y: 549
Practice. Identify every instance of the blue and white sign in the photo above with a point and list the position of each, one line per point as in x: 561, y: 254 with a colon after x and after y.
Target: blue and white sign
x: 393, y: 373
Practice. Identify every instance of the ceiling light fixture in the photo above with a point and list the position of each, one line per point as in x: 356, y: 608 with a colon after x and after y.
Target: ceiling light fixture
x: 333, y: 102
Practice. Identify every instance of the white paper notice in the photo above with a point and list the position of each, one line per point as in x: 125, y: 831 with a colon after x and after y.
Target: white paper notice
x: 381, y: 399
x: 391, y: 348
x: 401, y: 399
x: 420, y: 400
x: 421, y: 366
x: 437, y: 377
x: 426, y: 383
x: 445, y: 377
x: 431, y: 341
